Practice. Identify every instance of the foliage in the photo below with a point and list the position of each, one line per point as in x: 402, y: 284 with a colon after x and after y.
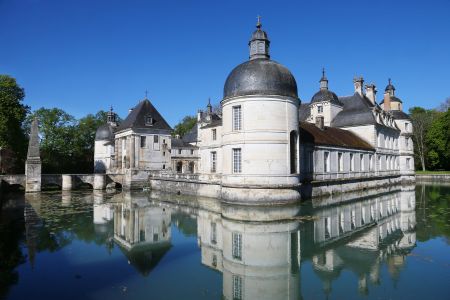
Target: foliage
x: 67, y: 145
x: 438, y: 140
x: 184, y: 126
x: 421, y: 121
x: 12, y: 115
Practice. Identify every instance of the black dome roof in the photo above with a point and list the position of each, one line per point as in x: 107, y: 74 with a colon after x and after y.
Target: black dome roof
x: 104, y: 133
x: 260, y: 77
x: 326, y: 95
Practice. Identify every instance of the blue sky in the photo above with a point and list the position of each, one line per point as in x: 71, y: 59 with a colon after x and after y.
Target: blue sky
x: 83, y: 56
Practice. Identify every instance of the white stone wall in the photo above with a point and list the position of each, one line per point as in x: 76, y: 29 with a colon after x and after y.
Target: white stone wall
x: 329, y: 112
x: 263, y: 140
x: 103, y: 152
x: 208, y: 145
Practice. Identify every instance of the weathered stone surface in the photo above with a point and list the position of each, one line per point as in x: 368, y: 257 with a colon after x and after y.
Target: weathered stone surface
x: 33, y: 167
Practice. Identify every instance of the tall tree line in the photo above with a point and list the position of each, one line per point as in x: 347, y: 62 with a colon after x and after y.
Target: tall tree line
x: 432, y: 137
x: 67, y: 143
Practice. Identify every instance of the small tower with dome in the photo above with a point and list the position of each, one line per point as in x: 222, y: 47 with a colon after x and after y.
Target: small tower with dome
x: 260, y: 128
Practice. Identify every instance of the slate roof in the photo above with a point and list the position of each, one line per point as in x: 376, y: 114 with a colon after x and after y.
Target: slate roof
x: 191, y: 136
x: 104, y: 133
x: 303, y: 111
x: 400, y: 115
x: 393, y: 99
x: 357, y: 110
x: 331, y: 136
x: 215, y: 121
x: 179, y: 143
x: 136, y: 118
x: 326, y: 95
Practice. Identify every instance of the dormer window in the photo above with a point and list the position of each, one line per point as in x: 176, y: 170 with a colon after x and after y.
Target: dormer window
x: 148, y: 121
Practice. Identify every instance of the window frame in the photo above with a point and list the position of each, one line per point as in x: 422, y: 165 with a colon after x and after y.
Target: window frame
x: 237, y: 118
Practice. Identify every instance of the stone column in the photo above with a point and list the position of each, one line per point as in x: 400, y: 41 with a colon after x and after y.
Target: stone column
x: 132, y: 154
x: 67, y: 182
x: 33, y: 167
x: 99, y: 181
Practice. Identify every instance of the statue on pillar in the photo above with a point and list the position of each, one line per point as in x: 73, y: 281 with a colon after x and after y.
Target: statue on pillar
x: 33, y: 166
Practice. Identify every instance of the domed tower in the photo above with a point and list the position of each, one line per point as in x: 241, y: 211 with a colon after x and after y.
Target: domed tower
x: 325, y: 104
x: 104, y: 144
x: 260, y: 129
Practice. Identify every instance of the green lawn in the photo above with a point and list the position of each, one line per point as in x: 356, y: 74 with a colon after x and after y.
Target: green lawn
x: 432, y: 172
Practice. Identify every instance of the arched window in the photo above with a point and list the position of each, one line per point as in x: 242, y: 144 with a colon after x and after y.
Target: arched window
x: 179, y: 167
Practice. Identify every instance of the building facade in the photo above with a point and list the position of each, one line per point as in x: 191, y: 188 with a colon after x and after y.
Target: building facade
x: 265, y: 145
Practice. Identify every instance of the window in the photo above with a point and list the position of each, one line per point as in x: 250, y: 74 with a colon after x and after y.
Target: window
x: 213, y: 233
x: 148, y: 121
x: 164, y: 166
x: 192, y: 151
x: 236, y: 250
x: 237, y: 118
x: 155, y: 139
x: 237, y: 287
x: 408, y: 163
x: 379, y: 162
x: 363, y: 216
x: 326, y: 161
x: 406, y: 127
x: 341, y: 222
x: 370, y: 162
x: 179, y: 151
x: 214, y: 260
x: 407, y: 143
x: 361, y: 160
x: 213, y: 161
x: 164, y: 153
x: 340, y: 162
x: 319, y: 109
x: 143, y: 140
x: 237, y: 168
x: 214, y: 134
x: 352, y: 162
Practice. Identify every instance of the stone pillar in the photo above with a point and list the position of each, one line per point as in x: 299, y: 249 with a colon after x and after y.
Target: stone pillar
x: 67, y: 182
x: 132, y: 154
x: 99, y: 181
x: 33, y: 167
x: 116, y: 154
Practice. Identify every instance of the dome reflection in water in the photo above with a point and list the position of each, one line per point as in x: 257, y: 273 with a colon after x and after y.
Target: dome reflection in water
x: 99, y: 245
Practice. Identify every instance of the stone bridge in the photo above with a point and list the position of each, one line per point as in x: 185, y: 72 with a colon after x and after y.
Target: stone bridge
x: 66, y: 181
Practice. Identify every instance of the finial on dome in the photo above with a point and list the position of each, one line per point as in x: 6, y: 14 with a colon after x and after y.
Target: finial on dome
x: 323, y: 81
x: 258, y: 23
x: 146, y: 94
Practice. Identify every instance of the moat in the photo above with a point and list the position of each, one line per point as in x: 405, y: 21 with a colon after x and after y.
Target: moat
x: 119, y: 245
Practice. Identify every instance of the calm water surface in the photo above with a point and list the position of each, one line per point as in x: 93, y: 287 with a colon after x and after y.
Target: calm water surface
x: 85, y: 245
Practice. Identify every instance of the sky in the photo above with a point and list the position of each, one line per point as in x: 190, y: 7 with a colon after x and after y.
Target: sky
x: 84, y: 56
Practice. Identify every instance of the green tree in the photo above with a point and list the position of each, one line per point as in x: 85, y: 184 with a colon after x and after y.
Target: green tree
x: 421, y: 121
x: 57, y: 130
x: 185, y: 126
x: 12, y: 115
x: 438, y: 141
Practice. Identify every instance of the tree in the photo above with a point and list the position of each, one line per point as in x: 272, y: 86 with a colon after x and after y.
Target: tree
x: 438, y: 140
x: 57, y: 131
x: 421, y: 121
x: 185, y: 126
x: 12, y: 115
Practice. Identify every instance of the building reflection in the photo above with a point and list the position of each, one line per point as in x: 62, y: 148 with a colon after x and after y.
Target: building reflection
x: 258, y: 259
x: 142, y: 230
x: 360, y: 236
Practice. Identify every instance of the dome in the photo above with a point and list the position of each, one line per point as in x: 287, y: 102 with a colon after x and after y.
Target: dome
x: 259, y: 35
x: 326, y: 95
x: 390, y: 86
x: 104, y: 133
x: 260, y: 77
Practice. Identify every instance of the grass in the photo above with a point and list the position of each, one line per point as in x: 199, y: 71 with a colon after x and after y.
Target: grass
x: 432, y: 172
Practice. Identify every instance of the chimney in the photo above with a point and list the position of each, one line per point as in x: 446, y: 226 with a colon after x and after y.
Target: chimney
x: 199, y: 116
x: 358, y: 82
x: 320, y: 122
x: 371, y: 92
x: 387, y: 101
x: 130, y: 110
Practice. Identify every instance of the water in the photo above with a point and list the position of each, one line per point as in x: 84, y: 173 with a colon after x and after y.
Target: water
x: 85, y: 245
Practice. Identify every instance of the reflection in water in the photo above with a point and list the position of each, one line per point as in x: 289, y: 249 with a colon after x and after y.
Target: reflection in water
x: 261, y: 253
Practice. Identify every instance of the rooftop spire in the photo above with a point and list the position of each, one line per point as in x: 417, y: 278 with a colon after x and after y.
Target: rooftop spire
x: 390, y: 88
x: 33, y: 144
x: 259, y: 43
x: 323, y: 81
x: 146, y: 94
